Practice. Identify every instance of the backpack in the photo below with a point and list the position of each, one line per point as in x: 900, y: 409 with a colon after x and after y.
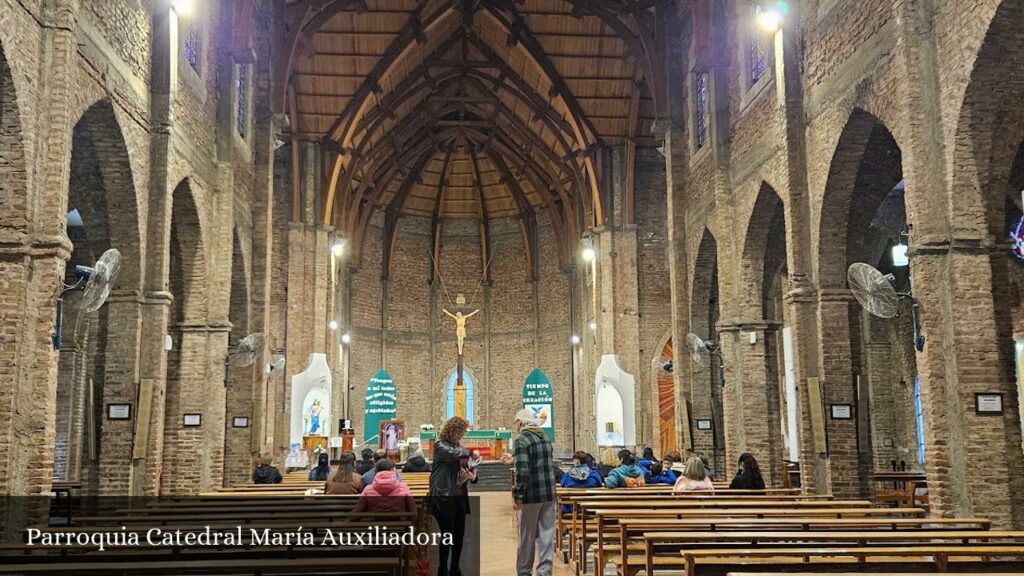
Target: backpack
x: 635, y: 482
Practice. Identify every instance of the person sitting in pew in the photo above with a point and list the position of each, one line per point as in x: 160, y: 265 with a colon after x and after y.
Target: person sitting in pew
x: 387, y: 493
x: 416, y: 463
x: 366, y: 464
x: 579, y: 475
x: 609, y: 460
x: 647, y: 459
x: 662, y: 473
x: 748, y: 477
x: 345, y: 479
x: 627, y: 474
x: 694, y: 478
x: 265, y: 473
x: 707, y: 466
x: 323, y: 468
x: 378, y: 455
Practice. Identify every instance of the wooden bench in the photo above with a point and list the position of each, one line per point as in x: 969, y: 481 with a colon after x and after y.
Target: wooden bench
x: 936, y: 556
x: 629, y: 564
x: 655, y: 531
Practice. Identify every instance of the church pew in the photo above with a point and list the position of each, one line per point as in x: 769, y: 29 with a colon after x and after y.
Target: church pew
x: 744, y: 539
x: 583, y: 508
x: 654, y: 531
x: 937, y: 557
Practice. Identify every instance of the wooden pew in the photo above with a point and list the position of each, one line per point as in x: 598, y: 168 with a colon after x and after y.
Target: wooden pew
x: 744, y: 539
x: 936, y: 556
x: 656, y: 531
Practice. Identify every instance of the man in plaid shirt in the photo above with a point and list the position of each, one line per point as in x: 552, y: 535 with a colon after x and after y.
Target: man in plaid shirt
x: 534, y: 496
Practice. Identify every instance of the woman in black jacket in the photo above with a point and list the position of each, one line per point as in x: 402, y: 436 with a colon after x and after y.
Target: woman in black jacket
x: 448, y: 496
x: 748, y: 477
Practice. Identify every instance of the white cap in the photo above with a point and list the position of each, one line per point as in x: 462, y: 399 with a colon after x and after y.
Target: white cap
x: 525, y: 416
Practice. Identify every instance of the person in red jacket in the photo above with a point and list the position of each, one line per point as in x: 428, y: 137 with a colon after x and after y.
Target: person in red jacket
x: 386, y: 493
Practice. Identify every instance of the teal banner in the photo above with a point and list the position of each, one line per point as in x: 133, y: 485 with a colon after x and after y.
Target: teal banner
x: 539, y: 397
x: 381, y: 404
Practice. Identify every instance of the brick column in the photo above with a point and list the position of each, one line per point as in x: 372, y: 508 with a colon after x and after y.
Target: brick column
x: 120, y: 382
x: 751, y: 399
x: 883, y: 401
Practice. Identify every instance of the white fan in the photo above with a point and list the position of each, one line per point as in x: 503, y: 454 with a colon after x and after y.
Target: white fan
x: 874, y: 290
x: 700, y: 350
x: 244, y: 352
x: 877, y: 294
x: 276, y: 362
x: 95, y: 282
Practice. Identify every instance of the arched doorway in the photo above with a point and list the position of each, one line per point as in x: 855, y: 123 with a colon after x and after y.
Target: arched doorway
x: 705, y: 389
x: 666, y: 390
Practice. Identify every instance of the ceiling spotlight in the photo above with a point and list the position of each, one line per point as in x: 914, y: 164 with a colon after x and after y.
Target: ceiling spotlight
x: 593, y: 326
x: 183, y: 7
x: 346, y: 338
x: 589, y: 254
x: 769, y: 15
x: 333, y: 325
x: 575, y: 340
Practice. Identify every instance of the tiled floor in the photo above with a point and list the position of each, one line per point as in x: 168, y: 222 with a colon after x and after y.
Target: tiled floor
x: 498, y: 537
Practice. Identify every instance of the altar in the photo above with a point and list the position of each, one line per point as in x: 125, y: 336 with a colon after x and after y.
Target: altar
x: 490, y: 443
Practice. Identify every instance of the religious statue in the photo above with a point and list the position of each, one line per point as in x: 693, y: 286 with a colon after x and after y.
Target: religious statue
x: 460, y: 325
x: 314, y: 418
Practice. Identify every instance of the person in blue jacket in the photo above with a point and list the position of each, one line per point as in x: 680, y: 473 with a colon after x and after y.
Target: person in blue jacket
x: 627, y: 474
x: 579, y: 475
x: 662, y: 473
x: 647, y: 459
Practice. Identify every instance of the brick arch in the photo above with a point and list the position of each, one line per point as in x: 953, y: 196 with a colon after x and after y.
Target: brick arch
x: 188, y: 274
x: 705, y: 311
x: 866, y: 166
x: 760, y: 262
x: 102, y: 188
x: 14, y: 200
x: 990, y: 126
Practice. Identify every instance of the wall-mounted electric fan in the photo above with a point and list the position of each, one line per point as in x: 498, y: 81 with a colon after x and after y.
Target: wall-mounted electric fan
x: 243, y: 353
x: 95, y: 283
x: 877, y: 293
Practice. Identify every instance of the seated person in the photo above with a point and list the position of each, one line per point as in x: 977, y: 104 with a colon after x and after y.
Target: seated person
x: 322, y: 470
x: 748, y: 477
x: 694, y: 479
x: 647, y: 459
x: 627, y: 474
x: 609, y: 460
x: 662, y: 473
x: 579, y: 475
x: 416, y: 463
x: 387, y: 493
x: 345, y: 479
x: 704, y: 459
x: 366, y: 464
x: 378, y: 455
x: 265, y: 473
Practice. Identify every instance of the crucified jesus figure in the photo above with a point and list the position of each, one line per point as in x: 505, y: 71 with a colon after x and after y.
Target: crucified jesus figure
x: 460, y: 325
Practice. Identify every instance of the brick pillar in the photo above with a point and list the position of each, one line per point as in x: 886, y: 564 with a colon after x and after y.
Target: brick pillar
x: 751, y: 399
x: 839, y: 387
x: 120, y: 381
x: 884, y: 397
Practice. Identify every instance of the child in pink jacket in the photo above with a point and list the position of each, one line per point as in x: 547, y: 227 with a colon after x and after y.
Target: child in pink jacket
x: 386, y: 493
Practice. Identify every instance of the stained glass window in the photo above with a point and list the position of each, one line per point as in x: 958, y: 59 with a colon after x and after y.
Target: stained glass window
x: 701, y: 112
x: 757, y: 49
x: 241, y: 118
x: 192, y: 45
x: 919, y: 416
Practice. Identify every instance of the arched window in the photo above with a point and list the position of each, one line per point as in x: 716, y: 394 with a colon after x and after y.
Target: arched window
x: 467, y: 380
x: 242, y: 108
x: 701, y: 108
x: 191, y: 43
x: 758, y: 53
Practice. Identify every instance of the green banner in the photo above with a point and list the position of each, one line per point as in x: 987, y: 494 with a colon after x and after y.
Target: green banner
x: 539, y: 397
x: 381, y: 403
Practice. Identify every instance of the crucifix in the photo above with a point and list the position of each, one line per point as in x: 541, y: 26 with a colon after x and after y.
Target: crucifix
x: 460, y: 334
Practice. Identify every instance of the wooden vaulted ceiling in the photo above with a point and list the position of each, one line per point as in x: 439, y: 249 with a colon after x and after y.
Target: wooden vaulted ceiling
x: 466, y: 108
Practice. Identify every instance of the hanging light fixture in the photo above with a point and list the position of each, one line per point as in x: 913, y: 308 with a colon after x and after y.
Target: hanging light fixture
x: 333, y: 325
x: 346, y: 338
x: 575, y: 340
x: 183, y: 7
x: 338, y: 247
x: 900, y: 258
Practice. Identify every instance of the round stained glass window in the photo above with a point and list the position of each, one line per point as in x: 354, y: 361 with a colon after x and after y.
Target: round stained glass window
x: 1017, y: 239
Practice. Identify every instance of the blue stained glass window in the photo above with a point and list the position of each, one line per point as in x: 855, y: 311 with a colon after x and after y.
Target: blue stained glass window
x: 241, y: 118
x: 192, y: 45
x: 702, y: 112
x: 450, y: 403
x: 757, y: 49
x: 920, y: 419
